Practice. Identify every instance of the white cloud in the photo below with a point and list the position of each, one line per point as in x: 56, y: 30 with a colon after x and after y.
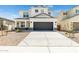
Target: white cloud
x: 8, y: 15
x: 13, y: 16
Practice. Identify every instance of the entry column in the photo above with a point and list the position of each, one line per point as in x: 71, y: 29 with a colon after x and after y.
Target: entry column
x: 25, y: 24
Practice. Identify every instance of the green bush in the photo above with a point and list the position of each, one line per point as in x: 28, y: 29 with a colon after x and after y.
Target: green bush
x: 18, y: 30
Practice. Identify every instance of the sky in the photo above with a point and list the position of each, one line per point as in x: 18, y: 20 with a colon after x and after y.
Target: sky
x: 11, y: 11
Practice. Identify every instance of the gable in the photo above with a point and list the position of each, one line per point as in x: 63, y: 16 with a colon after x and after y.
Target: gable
x: 42, y: 15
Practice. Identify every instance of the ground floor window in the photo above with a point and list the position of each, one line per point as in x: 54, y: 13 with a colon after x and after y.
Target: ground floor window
x: 22, y: 24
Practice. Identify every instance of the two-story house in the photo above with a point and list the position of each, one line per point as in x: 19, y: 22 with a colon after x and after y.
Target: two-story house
x: 36, y: 18
x: 69, y: 21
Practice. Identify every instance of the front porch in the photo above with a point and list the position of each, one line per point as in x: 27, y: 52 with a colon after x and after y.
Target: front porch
x: 22, y: 24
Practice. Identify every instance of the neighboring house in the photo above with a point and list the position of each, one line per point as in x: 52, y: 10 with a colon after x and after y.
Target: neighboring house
x: 6, y: 24
x: 36, y: 18
x: 69, y: 21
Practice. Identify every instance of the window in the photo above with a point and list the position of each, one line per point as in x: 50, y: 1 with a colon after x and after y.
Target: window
x: 36, y: 10
x: 25, y: 14
x: 77, y: 11
x: 22, y: 24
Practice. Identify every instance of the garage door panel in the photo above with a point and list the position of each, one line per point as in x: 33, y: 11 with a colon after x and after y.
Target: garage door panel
x: 43, y: 25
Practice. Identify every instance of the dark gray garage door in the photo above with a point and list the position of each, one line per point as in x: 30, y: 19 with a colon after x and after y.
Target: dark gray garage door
x: 43, y: 26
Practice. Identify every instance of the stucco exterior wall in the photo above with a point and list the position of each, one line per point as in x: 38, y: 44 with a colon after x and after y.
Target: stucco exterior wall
x: 1, y: 23
x: 70, y: 24
x: 66, y: 26
x: 32, y: 12
x: 40, y: 9
x: 76, y: 26
x: 8, y: 23
x: 67, y: 23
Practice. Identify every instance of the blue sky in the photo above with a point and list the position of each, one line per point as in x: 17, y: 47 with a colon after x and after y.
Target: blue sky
x: 11, y: 11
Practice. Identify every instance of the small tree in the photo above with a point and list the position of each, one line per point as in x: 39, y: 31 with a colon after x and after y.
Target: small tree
x: 71, y: 33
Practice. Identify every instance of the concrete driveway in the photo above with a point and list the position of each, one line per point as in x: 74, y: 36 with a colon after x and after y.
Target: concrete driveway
x: 47, y: 39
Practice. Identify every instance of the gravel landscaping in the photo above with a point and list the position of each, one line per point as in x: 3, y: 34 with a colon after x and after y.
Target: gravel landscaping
x: 75, y: 36
x: 12, y: 38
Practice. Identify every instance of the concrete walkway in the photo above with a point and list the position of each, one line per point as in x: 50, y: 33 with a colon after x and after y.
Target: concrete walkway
x: 47, y: 39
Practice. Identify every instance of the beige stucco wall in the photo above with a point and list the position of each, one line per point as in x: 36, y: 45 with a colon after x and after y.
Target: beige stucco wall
x: 68, y: 24
x: 76, y: 26
x: 0, y: 23
x: 8, y: 23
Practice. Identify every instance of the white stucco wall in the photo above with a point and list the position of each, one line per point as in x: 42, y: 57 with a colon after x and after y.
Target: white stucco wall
x: 33, y: 13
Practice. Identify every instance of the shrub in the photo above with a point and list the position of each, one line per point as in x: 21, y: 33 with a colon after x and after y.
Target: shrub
x: 18, y: 30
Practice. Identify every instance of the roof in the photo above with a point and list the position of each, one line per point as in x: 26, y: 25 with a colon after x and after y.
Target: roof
x: 6, y: 19
x: 35, y: 16
x: 72, y: 18
x: 41, y: 14
x: 22, y: 18
x: 39, y: 6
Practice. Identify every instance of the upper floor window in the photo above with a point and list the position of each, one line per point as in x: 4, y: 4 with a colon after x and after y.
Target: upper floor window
x: 77, y: 11
x: 36, y: 10
x: 25, y: 14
